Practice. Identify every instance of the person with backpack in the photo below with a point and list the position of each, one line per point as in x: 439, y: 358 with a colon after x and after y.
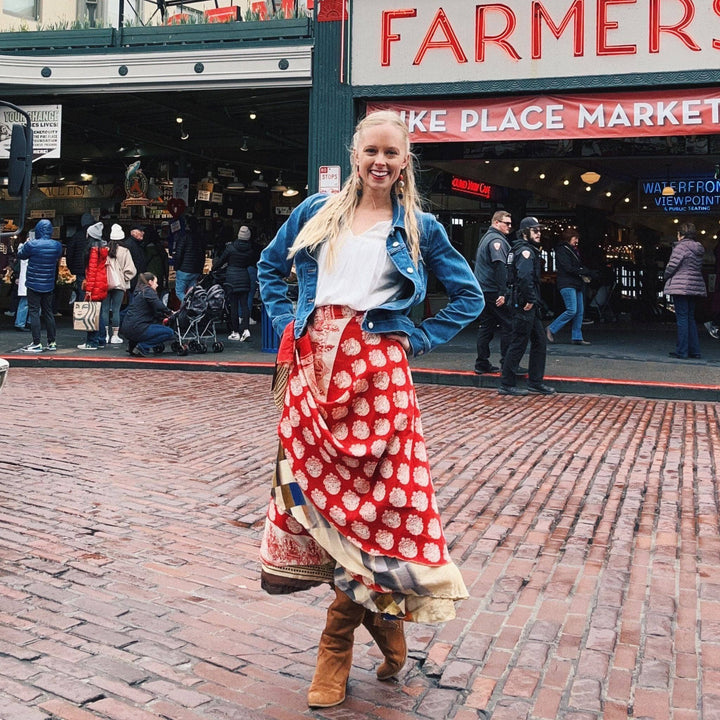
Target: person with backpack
x: 142, y: 324
x: 238, y: 256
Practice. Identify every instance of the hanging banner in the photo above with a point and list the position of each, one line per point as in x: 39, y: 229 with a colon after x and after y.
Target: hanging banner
x: 45, y: 120
x: 638, y: 114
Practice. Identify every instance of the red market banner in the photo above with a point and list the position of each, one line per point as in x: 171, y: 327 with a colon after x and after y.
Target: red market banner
x: 556, y: 117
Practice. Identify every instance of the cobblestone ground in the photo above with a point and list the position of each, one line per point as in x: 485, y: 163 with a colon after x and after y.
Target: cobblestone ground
x: 131, y: 505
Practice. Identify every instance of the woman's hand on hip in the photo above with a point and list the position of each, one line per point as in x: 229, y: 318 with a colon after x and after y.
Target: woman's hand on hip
x: 402, y: 339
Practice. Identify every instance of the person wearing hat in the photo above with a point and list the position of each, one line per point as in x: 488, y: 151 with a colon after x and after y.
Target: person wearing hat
x: 120, y: 272
x: 524, y: 271
x: 75, y: 253
x: 238, y: 256
x: 95, y: 287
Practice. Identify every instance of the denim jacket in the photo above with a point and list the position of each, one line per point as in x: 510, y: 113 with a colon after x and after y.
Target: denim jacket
x: 436, y: 254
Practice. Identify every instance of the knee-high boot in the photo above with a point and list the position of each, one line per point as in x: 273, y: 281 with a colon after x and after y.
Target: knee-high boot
x: 390, y: 638
x: 335, y: 652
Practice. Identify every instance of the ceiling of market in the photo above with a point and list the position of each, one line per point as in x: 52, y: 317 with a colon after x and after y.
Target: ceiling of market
x: 103, y: 133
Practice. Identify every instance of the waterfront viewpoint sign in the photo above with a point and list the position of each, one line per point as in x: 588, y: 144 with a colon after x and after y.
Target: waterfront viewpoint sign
x: 428, y: 41
x: 631, y: 114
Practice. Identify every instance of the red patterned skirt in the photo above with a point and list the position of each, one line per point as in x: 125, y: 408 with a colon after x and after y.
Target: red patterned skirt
x: 353, y: 501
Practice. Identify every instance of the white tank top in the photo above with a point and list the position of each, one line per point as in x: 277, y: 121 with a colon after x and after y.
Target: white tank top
x: 363, y: 276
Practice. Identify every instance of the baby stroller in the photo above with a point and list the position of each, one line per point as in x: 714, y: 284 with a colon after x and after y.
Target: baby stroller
x: 194, y: 322
x: 603, y: 296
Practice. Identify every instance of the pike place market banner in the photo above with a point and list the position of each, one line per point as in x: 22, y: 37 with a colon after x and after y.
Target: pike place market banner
x: 639, y: 114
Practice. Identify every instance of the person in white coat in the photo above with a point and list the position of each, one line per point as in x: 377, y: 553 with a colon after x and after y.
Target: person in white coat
x: 120, y: 271
x: 21, y: 314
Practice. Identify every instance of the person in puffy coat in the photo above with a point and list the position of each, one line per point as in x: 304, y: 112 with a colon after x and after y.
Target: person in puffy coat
x: 96, y: 283
x: 238, y: 255
x: 42, y: 254
x: 685, y: 283
x: 142, y: 324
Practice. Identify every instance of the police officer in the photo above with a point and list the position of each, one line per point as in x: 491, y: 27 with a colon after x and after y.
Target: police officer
x: 525, y: 269
x: 491, y: 273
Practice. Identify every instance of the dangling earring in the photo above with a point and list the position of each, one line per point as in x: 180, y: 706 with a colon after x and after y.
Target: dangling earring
x: 359, y: 189
x: 401, y: 187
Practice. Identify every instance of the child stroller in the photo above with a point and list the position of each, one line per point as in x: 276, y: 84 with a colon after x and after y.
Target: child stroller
x: 603, y: 296
x: 194, y: 322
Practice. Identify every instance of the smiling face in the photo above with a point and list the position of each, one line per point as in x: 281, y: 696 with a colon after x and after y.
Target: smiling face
x: 380, y: 156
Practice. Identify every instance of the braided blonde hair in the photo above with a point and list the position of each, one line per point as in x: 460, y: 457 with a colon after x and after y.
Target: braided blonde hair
x: 337, y: 213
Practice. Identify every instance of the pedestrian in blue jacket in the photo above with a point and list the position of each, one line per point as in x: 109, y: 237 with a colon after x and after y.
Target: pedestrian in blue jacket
x: 42, y: 254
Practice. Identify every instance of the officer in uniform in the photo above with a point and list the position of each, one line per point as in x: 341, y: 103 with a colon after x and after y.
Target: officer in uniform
x: 491, y: 273
x: 524, y: 271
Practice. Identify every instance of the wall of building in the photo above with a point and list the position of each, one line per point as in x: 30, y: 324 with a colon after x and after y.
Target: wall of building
x: 65, y: 12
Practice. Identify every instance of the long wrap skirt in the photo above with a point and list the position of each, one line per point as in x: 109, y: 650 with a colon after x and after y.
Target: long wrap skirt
x: 352, y: 501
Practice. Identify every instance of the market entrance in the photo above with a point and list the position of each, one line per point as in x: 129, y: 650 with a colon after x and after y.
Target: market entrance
x: 624, y: 170
x: 242, y: 154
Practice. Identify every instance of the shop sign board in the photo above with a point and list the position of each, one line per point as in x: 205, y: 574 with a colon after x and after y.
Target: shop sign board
x: 46, y: 122
x: 634, y: 114
x: 449, y: 41
x: 475, y: 188
x: 330, y: 179
x: 691, y: 194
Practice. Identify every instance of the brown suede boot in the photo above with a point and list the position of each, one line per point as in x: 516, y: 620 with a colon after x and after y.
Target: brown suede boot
x: 390, y: 638
x: 335, y: 652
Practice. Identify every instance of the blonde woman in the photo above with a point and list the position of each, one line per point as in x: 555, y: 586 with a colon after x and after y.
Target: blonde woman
x: 354, y: 504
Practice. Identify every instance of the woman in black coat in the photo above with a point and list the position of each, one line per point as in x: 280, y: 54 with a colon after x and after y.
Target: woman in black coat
x: 143, y: 322
x: 572, y: 276
x: 238, y: 256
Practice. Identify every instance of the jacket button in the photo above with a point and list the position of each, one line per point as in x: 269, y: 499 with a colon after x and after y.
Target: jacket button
x: 410, y: 270
x: 395, y: 244
x: 371, y: 325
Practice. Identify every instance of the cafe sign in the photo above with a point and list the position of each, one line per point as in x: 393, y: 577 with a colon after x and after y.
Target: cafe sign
x: 428, y: 41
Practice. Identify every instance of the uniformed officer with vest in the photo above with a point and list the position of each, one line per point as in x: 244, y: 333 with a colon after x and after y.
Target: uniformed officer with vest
x: 524, y: 270
x: 491, y: 273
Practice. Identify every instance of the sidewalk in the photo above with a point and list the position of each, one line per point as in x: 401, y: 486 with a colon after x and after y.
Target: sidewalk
x: 624, y: 359
x: 132, y: 507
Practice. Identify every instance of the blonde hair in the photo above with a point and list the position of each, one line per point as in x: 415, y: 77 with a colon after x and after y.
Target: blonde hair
x: 336, y: 215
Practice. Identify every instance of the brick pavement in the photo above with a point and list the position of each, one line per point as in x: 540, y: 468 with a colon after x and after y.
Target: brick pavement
x: 131, y: 504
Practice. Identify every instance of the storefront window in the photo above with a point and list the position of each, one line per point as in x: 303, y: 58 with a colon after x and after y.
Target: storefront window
x: 29, y: 9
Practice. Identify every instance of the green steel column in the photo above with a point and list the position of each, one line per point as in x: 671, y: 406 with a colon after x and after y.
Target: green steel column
x: 332, y: 116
